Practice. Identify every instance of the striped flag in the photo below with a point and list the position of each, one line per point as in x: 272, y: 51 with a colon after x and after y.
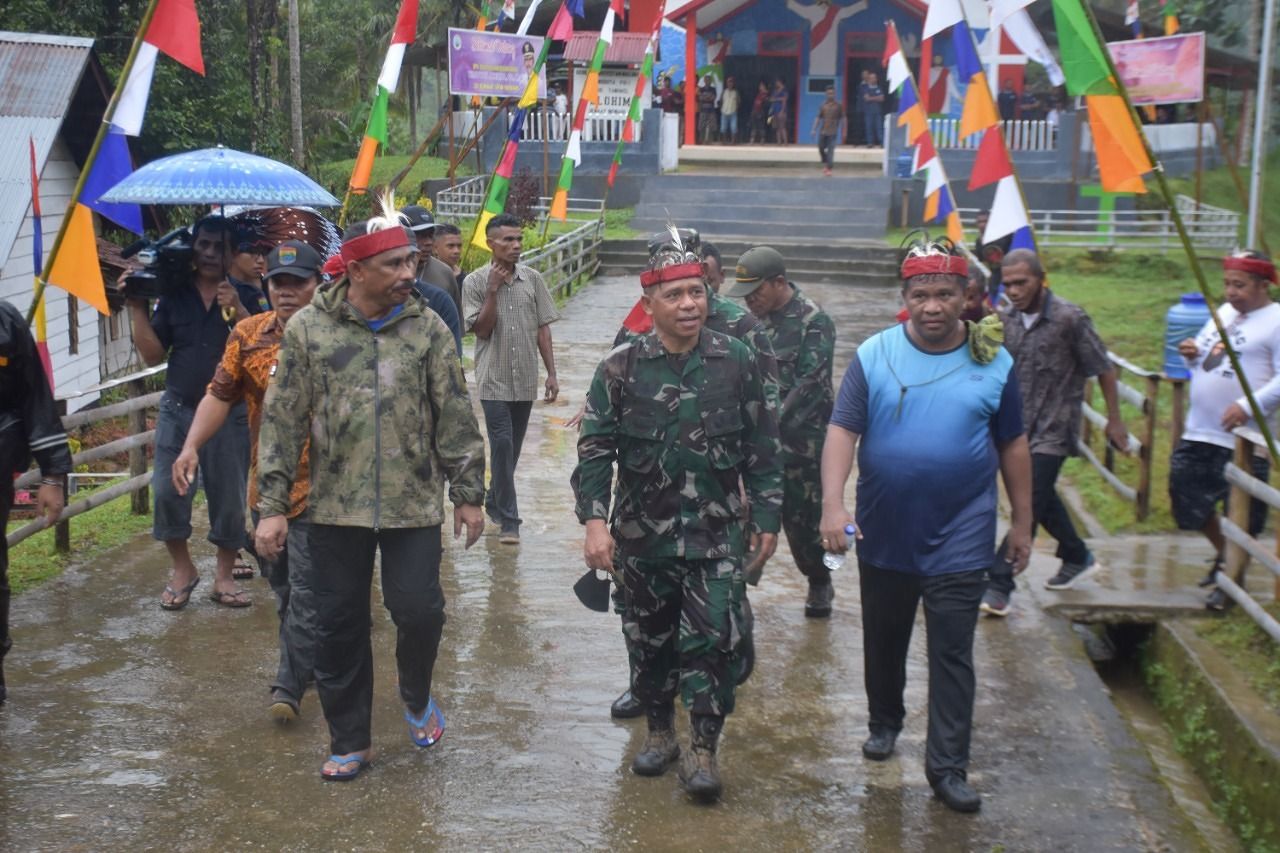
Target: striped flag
x: 939, y: 206
x: 174, y: 31
x: 37, y: 262
x: 590, y: 95
x: 375, y: 133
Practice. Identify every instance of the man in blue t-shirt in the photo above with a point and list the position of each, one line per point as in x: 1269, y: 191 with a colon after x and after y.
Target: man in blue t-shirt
x: 932, y: 413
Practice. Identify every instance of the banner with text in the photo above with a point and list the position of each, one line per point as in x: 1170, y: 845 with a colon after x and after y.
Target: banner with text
x: 1168, y: 70
x: 492, y: 64
x: 617, y: 87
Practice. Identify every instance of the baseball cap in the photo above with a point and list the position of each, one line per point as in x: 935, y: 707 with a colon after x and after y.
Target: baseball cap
x: 420, y: 219
x: 295, y: 258
x: 755, y: 266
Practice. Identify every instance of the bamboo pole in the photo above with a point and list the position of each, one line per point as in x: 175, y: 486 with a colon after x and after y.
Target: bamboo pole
x: 89, y: 161
x: 1256, y: 410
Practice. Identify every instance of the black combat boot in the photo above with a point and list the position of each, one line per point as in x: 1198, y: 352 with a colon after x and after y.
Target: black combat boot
x: 699, y: 772
x: 627, y: 705
x: 660, y: 748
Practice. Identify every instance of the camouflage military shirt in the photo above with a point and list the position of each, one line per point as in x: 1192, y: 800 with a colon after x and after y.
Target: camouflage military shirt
x: 682, y: 429
x: 729, y: 318
x: 388, y: 414
x: 804, y: 340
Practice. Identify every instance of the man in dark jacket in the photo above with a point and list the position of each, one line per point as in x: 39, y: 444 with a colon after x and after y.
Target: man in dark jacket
x: 29, y: 426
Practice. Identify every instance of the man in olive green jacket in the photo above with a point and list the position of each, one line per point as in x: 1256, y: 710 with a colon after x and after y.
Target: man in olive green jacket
x: 372, y: 378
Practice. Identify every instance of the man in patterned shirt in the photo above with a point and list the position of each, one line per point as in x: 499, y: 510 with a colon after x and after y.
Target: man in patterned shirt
x: 510, y: 310
x: 248, y: 363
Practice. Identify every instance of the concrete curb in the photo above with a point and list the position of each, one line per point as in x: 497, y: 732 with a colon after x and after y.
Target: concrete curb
x: 1227, y: 733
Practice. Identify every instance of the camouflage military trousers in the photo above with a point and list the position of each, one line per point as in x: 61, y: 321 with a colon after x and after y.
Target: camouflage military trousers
x: 802, y: 514
x: 682, y: 626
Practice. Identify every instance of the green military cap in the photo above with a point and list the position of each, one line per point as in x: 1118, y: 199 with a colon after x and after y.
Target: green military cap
x: 756, y: 265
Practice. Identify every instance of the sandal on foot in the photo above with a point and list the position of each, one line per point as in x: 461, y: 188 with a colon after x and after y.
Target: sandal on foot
x: 236, y: 598
x: 178, y: 598
x: 360, y: 762
x: 417, y: 724
x: 242, y: 571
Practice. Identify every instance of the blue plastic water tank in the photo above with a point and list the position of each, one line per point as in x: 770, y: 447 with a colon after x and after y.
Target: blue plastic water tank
x: 1184, y: 320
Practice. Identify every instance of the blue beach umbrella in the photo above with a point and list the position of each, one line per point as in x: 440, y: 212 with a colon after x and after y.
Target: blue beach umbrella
x: 219, y: 176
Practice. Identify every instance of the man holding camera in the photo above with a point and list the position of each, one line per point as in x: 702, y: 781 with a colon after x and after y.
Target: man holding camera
x: 189, y: 326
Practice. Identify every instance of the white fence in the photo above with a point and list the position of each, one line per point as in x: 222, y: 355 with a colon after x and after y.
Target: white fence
x: 545, y: 124
x: 1019, y: 135
x: 1210, y: 228
x: 464, y: 201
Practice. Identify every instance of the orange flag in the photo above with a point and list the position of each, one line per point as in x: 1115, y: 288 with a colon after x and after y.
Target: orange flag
x: 1122, y: 158
x: 75, y: 268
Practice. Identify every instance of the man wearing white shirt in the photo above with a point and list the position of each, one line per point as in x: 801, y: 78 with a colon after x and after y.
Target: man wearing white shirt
x: 1196, y: 479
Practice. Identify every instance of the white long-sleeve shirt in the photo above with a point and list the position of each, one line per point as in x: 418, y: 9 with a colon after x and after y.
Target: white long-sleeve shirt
x: 1255, y: 337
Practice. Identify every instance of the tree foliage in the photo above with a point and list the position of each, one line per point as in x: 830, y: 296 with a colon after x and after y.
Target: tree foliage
x: 243, y: 101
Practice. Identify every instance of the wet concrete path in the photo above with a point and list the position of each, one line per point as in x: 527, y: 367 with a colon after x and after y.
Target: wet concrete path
x: 129, y: 727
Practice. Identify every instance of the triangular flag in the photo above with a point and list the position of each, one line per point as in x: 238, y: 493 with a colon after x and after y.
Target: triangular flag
x: 561, y: 28
x: 1117, y: 145
x: 1002, y: 9
x: 1022, y: 239
x: 1083, y: 62
x: 992, y: 162
x: 112, y: 165
x: 75, y: 267
x: 405, y: 32
x: 175, y: 30
x: 898, y: 71
x: 1007, y: 211
x: 942, y: 15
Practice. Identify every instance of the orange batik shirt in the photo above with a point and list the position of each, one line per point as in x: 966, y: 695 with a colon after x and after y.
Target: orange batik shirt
x: 246, y: 369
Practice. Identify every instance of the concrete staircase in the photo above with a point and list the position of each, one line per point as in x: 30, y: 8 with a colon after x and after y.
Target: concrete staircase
x: 808, y: 262
x: 768, y: 208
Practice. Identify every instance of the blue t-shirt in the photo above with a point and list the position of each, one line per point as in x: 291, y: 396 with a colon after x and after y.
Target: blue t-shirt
x: 927, y: 459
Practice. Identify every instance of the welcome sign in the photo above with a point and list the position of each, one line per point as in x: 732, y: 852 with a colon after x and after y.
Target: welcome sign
x: 1168, y: 70
x: 492, y: 64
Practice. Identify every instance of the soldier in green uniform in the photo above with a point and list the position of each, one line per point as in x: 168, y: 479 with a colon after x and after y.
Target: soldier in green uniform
x: 733, y: 320
x: 803, y: 339
x: 684, y: 413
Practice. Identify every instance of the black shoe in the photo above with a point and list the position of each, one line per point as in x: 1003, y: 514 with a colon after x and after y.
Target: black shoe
x: 1072, y: 573
x: 626, y: 707
x: 956, y: 794
x: 283, y: 708
x: 818, y: 604
x: 1217, y: 600
x: 879, y: 746
x: 1212, y: 577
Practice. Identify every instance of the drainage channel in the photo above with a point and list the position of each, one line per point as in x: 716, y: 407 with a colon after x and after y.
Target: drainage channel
x: 1114, y: 651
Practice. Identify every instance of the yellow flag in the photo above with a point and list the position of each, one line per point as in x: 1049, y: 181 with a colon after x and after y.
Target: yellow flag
x: 530, y: 96
x: 479, y: 240
x: 75, y: 269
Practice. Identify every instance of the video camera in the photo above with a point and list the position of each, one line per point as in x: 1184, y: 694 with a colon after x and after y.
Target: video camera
x: 166, y: 265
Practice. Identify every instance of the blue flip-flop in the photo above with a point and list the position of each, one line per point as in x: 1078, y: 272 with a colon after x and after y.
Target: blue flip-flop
x: 415, y: 723
x: 360, y: 764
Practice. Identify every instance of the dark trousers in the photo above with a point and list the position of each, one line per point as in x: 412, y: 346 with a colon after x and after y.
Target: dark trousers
x: 505, y: 422
x: 889, y: 601
x: 6, y: 504
x: 342, y: 572
x: 1047, y: 511
x: 290, y: 579
x: 827, y: 149
x: 873, y: 127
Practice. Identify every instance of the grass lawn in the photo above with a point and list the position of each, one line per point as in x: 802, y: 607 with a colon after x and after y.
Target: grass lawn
x: 1250, y: 648
x: 1219, y: 190
x: 336, y: 173
x: 34, y: 561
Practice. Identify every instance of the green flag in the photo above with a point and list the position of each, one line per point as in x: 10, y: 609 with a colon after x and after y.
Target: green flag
x: 1083, y: 62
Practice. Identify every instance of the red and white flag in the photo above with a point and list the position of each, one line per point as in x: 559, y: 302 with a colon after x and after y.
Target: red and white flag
x: 175, y: 31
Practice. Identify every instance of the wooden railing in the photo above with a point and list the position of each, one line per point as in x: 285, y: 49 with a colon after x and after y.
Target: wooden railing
x: 1145, y: 402
x: 1241, y: 546
x: 138, y: 476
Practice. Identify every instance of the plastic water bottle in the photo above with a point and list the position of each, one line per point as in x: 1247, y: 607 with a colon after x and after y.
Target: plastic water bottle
x: 1184, y: 320
x: 836, y: 561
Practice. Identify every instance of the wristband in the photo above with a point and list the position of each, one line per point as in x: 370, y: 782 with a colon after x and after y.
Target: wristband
x: 51, y: 481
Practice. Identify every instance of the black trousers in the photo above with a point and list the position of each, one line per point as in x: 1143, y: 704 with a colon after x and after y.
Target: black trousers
x: 290, y: 579
x: 341, y: 575
x: 6, y: 504
x: 505, y: 422
x: 889, y: 602
x: 1047, y: 511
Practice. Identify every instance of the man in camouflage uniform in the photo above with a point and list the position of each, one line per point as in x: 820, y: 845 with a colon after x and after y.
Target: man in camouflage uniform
x: 373, y: 377
x: 684, y: 412
x: 727, y: 318
x: 803, y: 339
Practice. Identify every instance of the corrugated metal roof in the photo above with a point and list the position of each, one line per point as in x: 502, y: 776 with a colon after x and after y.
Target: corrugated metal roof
x: 625, y: 49
x: 38, y: 77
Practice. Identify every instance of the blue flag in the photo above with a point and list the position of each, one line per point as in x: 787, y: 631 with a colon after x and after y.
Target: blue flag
x: 112, y: 165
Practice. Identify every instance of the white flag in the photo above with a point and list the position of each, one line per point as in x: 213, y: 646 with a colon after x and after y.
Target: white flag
x: 132, y: 106
x: 1023, y: 33
x: 1001, y: 10
x: 1007, y: 212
